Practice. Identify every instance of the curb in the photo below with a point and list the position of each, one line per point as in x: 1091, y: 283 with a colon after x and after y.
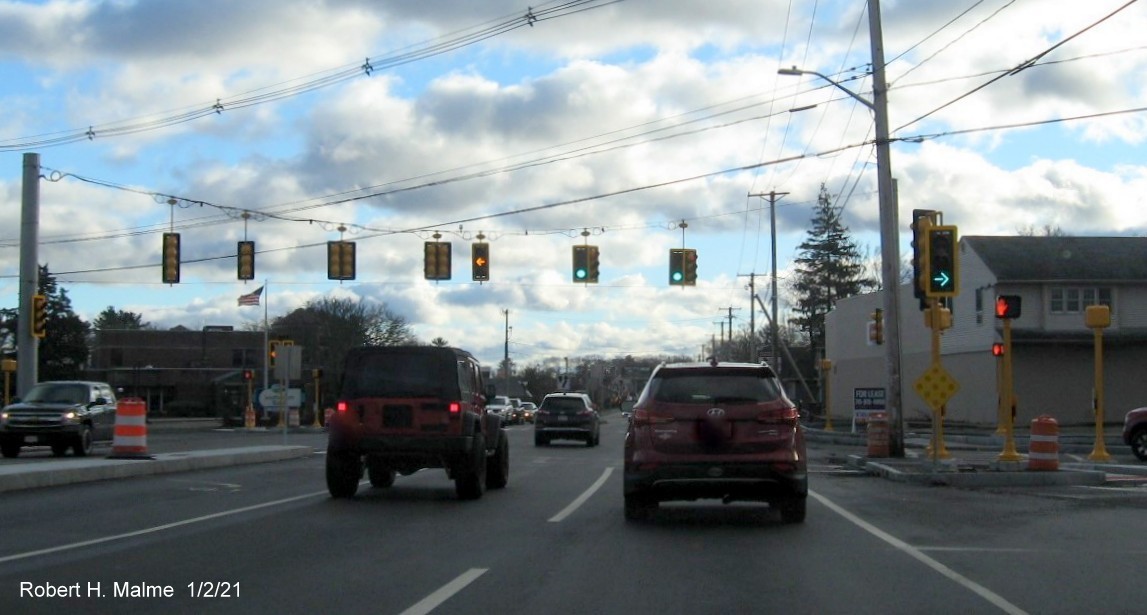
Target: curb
x: 68, y: 471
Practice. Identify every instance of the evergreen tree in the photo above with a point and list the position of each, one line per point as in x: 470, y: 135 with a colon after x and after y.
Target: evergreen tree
x: 120, y: 320
x: 64, y: 351
x: 829, y: 267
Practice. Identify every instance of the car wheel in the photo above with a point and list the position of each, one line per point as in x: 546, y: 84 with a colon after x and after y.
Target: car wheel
x: 498, y: 466
x: 344, y: 469
x: 639, y: 507
x: 471, y: 480
x: 10, y: 449
x: 381, y: 475
x: 1139, y: 443
x: 82, y: 447
x: 539, y: 440
x: 793, y: 509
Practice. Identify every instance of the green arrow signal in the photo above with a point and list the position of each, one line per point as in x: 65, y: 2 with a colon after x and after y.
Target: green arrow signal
x: 943, y: 278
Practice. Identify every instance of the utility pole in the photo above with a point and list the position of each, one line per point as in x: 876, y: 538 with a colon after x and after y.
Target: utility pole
x: 752, y: 317
x: 506, y: 357
x: 28, y: 346
x: 774, y: 334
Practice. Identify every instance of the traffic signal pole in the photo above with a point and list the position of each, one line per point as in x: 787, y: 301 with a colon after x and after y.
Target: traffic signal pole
x: 28, y: 347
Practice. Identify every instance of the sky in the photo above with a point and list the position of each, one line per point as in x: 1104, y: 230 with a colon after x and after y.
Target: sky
x: 634, y: 125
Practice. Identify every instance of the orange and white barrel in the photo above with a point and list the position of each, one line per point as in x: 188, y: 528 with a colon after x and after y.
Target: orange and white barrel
x: 878, y: 437
x: 1043, y: 448
x: 129, y: 440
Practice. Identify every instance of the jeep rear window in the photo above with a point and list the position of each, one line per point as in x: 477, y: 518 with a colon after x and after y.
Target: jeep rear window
x: 401, y: 375
x: 724, y: 386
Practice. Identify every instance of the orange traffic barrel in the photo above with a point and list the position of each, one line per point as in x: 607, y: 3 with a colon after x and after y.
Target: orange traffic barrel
x: 1043, y: 447
x: 878, y: 439
x: 129, y: 441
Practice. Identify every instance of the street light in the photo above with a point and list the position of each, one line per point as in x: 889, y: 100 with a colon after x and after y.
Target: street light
x: 889, y: 222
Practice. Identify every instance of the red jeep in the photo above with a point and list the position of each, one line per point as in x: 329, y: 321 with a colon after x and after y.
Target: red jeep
x: 405, y: 408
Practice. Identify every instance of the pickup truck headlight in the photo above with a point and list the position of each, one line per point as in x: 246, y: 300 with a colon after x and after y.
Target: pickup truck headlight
x: 69, y: 417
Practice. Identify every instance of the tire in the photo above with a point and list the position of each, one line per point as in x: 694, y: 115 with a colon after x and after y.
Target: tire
x: 539, y: 440
x: 793, y: 509
x: 344, y: 469
x: 639, y: 507
x: 589, y: 440
x: 82, y: 446
x: 498, y: 466
x: 381, y: 476
x: 10, y: 449
x: 1139, y: 443
x: 471, y: 480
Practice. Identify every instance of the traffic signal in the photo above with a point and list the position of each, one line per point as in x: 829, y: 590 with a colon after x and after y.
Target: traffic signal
x: 876, y: 333
x: 246, y: 268
x: 437, y: 260
x: 677, y: 266
x: 171, y: 258
x: 480, y: 261
x: 1007, y: 306
x: 942, y: 264
x: 997, y: 349
x: 582, y: 272
x: 273, y: 352
x: 340, y: 260
x: 248, y: 375
x: 690, y: 267
x: 593, y: 264
x: 39, y: 316
x: 921, y: 219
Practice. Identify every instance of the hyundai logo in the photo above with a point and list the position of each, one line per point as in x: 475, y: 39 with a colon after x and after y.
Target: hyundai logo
x: 716, y: 413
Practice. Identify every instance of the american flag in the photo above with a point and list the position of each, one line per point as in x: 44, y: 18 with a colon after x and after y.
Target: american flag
x: 251, y: 298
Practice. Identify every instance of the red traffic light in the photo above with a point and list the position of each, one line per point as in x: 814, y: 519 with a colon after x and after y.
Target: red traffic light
x: 997, y: 349
x: 248, y: 374
x: 1007, y: 306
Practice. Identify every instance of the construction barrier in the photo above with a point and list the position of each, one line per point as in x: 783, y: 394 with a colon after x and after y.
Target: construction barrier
x: 878, y: 438
x: 1043, y: 448
x: 129, y: 440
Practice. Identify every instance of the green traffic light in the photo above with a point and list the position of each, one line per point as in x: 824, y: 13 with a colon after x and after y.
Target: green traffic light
x: 581, y: 274
x: 678, y: 276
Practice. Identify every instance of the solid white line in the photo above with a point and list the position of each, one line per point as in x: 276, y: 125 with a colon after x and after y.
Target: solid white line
x: 568, y: 510
x: 444, y: 593
x: 976, y: 588
x: 158, y: 528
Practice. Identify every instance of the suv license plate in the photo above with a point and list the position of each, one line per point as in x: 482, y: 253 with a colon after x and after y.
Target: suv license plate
x: 563, y: 418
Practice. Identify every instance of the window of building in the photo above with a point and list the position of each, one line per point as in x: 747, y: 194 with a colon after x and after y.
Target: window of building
x: 116, y: 358
x: 1075, y: 299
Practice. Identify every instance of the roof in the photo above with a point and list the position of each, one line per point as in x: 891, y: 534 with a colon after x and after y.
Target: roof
x: 1037, y: 259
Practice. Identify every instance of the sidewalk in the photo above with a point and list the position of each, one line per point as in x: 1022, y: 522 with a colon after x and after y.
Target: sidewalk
x: 974, y: 459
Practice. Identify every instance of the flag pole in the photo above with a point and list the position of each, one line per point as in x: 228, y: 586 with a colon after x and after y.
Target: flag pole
x: 266, y: 340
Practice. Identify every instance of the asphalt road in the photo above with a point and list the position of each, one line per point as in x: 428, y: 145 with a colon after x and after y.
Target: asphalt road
x: 555, y: 541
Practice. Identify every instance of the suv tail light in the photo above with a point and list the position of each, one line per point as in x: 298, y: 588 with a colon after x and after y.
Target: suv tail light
x: 455, y: 407
x: 644, y: 418
x: 786, y: 414
x: 342, y: 407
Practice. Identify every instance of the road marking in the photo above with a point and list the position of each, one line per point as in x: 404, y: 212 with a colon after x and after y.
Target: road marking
x: 568, y: 510
x: 158, y: 528
x: 444, y: 593
x: 915, y: 553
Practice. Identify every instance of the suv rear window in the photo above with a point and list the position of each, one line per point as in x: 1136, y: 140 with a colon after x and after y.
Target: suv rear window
x: 394, y: 375
x: 714, y: 386
x: 563, y: 405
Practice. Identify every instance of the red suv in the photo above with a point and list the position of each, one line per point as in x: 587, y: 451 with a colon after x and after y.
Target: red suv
x: 715, y: 431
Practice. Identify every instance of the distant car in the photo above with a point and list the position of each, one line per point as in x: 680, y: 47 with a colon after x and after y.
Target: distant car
x: 70, y: 414
x: 1135, y: 432
x: 500, y: 406
x: 569, y: 416
x: 715, y: 431
x: 528, y: 408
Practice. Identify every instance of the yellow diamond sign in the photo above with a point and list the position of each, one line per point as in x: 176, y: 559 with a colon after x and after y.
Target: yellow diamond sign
x: 936, y: 386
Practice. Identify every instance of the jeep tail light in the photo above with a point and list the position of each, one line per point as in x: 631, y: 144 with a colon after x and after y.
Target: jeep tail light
x: 644, y: 418
x: 342, y: 407
x: 455, y: 407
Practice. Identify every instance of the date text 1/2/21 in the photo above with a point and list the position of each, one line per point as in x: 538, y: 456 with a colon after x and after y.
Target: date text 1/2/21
x: 213, y: 589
